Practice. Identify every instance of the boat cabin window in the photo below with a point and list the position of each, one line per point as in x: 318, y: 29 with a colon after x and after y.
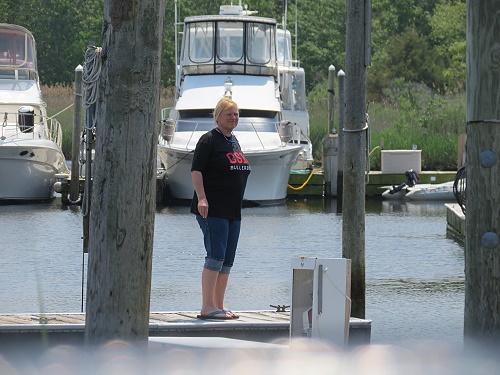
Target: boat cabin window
x: 293, y: 90
x: 230, y: 42
x: 259, y: 37
x: 229, y: 47
x: 201, y: 43
x: 16, y: 49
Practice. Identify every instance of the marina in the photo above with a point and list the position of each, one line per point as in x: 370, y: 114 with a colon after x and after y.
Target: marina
x: 272, y: 145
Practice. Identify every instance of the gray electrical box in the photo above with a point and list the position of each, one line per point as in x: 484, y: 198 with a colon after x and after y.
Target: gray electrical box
x: 321, y: 303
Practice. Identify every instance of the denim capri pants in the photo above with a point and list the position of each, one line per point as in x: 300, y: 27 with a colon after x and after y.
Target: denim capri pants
x: 220, y: 237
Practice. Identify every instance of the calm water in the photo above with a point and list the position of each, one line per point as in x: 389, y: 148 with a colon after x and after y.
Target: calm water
x: 414, y: 273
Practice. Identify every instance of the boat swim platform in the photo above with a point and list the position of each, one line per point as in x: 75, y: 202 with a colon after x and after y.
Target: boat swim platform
x: 53, y: 329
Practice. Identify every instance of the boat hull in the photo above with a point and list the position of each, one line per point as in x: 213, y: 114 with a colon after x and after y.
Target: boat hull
x: 433, y: 192
x: 423, y: 192
x: 27, y: 171
x: 267, y: 182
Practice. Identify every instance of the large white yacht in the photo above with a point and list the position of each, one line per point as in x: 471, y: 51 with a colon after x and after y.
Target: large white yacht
x: 231, y: 54
x: 30, y: 142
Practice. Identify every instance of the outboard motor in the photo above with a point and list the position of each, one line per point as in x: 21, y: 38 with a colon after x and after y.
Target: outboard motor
x: 26, y: 118
x: 411, y: 178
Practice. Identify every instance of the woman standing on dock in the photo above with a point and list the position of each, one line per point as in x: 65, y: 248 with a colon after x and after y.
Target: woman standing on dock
x: 219, y: 172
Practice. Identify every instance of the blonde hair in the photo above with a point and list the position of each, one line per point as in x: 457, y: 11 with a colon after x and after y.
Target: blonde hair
x: 222, y: 105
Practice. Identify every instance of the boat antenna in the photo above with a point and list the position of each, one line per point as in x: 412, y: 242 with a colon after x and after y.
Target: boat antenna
x: 286, y: 15
x: 296, y: 29
x: 176, y: 46
x: 285, y: 40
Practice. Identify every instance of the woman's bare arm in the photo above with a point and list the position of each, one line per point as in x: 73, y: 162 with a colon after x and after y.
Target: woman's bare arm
x: 197, y: 178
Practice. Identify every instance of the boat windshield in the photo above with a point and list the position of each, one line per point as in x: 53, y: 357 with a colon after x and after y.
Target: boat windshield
x: 17, y: 51
x: 229, y: 47
x: 250, y: 120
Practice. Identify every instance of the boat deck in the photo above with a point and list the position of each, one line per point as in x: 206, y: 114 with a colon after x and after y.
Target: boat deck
x: 68, y: 328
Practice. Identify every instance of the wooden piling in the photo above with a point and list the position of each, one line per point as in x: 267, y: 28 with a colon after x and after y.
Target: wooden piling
x: 353, y: 206
x: 123, y: 193
x: 482, y: 249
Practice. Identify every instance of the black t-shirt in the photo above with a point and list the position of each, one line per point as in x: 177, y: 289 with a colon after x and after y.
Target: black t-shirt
x: 225, y: 171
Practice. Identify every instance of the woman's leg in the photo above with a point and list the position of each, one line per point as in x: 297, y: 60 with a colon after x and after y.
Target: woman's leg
x: 215, y: 239
x: 222, y: 280
x: 211, y: 285
x: 220, y: 290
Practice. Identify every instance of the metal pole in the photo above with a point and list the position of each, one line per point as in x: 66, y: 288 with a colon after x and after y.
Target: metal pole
x: 77, y: 129
x: 341, y: 124
x: 89, y: 135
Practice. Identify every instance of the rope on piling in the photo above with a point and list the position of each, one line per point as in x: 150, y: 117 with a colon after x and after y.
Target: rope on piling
x: 91, y: 74
x: 90, y: 78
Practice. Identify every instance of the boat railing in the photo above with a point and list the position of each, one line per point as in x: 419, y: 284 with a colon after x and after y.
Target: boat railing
x: 259, y: 127
x: 55, y: 131
x: 8, y: 72
x: 29, y: 125
x: 298, y: 136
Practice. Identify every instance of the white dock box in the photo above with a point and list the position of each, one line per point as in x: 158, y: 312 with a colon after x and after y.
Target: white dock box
x: 399, y: 161
x: 321, y: 306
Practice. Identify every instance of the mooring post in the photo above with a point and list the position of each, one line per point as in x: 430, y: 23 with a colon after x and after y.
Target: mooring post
x: 330, y: 141
x: 77, y: 130
x: 482, y: 220
x: 331, y: 99
x: 353, y: 206
x: 341, y: 124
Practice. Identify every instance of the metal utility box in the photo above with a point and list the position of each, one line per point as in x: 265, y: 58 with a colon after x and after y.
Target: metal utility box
x: 400, y: 161
x: 321, y: 304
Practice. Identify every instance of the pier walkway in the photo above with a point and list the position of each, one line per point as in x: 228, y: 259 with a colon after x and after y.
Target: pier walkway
x: 68, y: 328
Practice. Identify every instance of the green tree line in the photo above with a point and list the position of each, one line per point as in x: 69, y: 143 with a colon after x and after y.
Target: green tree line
x: 413, y: 41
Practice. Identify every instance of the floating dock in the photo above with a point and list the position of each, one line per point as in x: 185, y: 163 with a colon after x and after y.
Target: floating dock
x: 455, y: 222
x: 301, y: 183
x: 46, y: 330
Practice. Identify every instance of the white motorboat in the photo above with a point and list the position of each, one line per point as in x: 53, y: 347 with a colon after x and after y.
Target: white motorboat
x: 30, y: 142
x: 232, y: 54
x: 423, y: 192
x: 411, y: 190
x: 428, y: 192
